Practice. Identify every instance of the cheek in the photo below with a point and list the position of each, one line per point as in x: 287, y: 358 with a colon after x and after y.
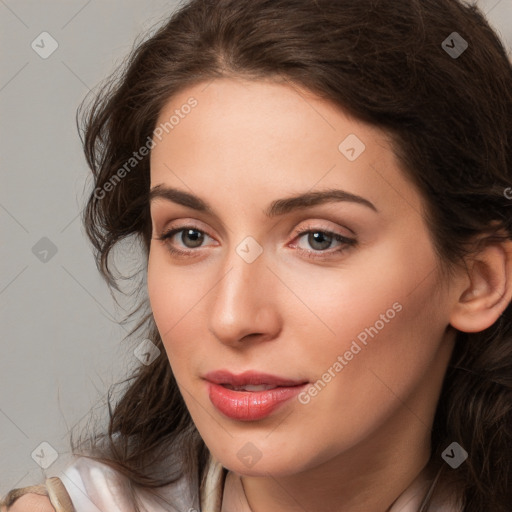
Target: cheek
x: 180, y: 301
x: 373, y: 293
x: 172, y: 297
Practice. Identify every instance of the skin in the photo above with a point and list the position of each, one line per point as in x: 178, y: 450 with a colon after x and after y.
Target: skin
x: 360, y: 442
x: 30, y: 503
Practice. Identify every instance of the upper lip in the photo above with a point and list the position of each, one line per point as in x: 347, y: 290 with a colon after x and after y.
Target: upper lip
x: 249, y: 377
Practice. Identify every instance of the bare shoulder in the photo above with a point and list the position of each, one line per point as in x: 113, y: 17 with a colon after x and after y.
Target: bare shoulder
x: 30, y: 503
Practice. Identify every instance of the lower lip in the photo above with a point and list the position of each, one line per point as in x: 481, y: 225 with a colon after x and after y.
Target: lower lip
x: 250, y: 405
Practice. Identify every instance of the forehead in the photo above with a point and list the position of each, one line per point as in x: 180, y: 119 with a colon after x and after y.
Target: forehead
x: 263, y: 137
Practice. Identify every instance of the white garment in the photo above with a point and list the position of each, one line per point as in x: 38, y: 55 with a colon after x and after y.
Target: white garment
x: 95, y: 487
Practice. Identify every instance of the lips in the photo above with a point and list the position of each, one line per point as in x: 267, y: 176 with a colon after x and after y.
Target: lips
x: 250, y: 378
x: 250, y: 395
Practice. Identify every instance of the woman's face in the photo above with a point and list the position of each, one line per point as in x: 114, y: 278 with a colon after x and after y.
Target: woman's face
x: 337, y: 295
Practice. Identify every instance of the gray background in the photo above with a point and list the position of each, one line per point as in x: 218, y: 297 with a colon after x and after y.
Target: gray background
x: 61, y: 342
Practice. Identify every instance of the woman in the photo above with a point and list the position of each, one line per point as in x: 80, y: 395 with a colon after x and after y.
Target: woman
x: 323, y: 195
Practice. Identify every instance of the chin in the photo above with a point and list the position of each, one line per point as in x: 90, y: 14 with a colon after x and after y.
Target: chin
x: 249, y: 458
x: 275, y: 465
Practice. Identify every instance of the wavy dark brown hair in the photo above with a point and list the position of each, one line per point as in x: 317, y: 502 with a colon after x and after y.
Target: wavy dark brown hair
x: 450, y: 120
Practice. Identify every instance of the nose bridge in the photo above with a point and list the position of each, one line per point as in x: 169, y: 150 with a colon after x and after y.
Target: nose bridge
x: 242, y: 303
x: 246, y: 268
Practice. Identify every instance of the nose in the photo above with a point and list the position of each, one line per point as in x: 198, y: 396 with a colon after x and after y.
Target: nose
x: 242, y: 306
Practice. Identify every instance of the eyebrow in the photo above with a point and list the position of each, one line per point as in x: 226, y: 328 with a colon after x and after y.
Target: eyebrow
x: 276, y: 208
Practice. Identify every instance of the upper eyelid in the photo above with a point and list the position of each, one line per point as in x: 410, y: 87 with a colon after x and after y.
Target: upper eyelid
x: 297, y: 232
x: 311, y: 225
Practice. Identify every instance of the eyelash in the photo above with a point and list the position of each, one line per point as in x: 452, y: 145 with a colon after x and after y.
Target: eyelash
x: 312, y: 254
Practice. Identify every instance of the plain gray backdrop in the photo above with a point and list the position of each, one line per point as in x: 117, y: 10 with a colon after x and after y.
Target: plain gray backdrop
x: 61, y: 339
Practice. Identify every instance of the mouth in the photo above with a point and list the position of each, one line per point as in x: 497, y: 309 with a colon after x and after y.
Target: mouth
x: 250, y: 378
x: 251, y: 395
x: 250, y: 387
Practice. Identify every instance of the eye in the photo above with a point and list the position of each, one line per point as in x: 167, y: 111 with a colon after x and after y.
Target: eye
x: 189, y: 236
x: 185, y: 240
x: 320, y: 241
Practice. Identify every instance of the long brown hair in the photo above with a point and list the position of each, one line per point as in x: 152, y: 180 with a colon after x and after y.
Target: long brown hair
x: 450, y: 119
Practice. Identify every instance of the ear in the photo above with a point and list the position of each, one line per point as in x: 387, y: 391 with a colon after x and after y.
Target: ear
x: 486, y: 290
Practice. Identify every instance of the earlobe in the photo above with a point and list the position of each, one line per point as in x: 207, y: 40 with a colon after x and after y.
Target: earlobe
x: 489, y: 292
